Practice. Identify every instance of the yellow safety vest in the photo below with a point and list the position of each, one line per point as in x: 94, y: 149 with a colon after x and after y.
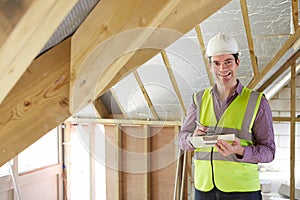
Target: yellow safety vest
x: 227, y: 173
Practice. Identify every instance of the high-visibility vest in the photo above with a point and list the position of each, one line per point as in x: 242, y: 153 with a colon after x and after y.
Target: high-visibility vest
x: 227, y: 173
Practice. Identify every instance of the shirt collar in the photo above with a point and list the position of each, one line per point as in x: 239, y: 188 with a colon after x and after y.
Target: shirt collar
x: 238, y: 89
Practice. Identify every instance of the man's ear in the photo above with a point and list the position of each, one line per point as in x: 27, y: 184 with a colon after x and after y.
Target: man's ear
x: 238, y: 61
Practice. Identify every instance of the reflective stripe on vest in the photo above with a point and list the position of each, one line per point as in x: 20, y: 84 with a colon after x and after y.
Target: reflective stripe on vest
x: 227, y: 173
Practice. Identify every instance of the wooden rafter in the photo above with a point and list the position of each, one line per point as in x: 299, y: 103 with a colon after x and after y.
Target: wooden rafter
x: 177, y: 16
x: 173, y: 80
x: 295, y: 14
x: 116, y: 19
x: 145, y: 93
x: 244, y: 9
x: 38, y: 103
x: 203, y: 51
x: 57, y: 60
x: 281, y: 70
x: 113, y: 93
x: 290, y: 41
x: 28, y: 30
x: 102, y: 112
x: 183, y: 18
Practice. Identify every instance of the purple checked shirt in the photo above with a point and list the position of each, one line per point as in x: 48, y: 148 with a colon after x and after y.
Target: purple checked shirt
x: 262, y: 151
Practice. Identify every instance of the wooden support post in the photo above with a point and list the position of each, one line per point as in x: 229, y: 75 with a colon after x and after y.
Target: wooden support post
x: 147, y: 146
x: 113, y: 162
x: 292, y: 131
x: 183, y: 175
x: 177, y: 186
x: 189, y: 175
x: 60, y: 129
x: 92, y: 160
x: 119, y: 181
x: 178, y: 176
x: 66, y: 139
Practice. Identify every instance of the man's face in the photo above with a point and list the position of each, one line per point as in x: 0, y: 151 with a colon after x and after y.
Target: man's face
x: 224, y: 68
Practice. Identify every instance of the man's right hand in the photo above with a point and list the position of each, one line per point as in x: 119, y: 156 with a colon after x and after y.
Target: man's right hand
x: 200, y: 130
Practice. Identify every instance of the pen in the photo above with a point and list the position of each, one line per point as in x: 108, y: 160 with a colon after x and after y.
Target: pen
x: 198, y: 123
x: 207, y: 131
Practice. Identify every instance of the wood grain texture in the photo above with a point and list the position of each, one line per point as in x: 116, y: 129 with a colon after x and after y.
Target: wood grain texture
x: 116, y: 35
x: 37, y: 103
x: 185, y: 16
x: 29, y: 25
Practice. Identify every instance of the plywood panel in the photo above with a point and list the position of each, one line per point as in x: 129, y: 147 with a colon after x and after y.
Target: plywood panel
x: 136, y: 181
x: 163, y: 174
x: 134, y: 162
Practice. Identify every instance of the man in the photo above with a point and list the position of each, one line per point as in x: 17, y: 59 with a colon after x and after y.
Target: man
x: 228, y: 170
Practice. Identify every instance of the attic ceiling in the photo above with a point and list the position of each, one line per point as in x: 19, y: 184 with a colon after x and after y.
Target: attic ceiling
x: 127, y: 59
x: 268, y: 27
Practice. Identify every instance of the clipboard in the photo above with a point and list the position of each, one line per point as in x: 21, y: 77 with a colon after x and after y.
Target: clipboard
x: 210, y: 140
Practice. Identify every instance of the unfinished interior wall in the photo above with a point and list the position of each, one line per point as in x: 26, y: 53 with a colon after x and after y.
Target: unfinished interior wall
x: 278, y: 172
x: 146, y: 168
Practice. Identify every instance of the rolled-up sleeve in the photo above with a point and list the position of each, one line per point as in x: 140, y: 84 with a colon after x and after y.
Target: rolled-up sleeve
x: 263, y: 150
x: 187, y: 128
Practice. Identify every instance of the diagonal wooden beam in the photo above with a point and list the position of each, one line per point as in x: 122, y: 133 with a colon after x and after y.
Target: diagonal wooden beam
x: 288, y: 44
x: 203, y: 52
x: 173, y: 80
x: 181, y: 20
x: 295, y: 14
x: 38, y: 102
x: 11, y: 12
x: 124, y: 115
x: 28, y: 32
x: 281, y: 70
x: 102, y: 112
x: 145, y: 93
x: 177, y: 16
x: 89, y: 63
x: 245, y: 13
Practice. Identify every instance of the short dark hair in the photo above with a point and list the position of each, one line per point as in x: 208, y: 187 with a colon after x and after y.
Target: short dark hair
x: 235, y: 55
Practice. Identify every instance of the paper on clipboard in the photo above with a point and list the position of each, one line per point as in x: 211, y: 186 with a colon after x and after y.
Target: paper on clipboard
x: 208, y: 141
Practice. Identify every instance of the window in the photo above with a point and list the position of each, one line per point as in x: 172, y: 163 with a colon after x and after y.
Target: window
x: 43, y: 152
x: 4, y: 170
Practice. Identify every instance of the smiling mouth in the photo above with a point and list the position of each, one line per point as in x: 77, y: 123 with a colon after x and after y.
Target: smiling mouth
x: 226, y: 74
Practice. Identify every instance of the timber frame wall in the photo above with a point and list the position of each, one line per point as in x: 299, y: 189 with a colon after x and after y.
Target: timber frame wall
x: 141, y: 159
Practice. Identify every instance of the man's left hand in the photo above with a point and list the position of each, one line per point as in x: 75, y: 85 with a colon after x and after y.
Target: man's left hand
x: 227, y: 149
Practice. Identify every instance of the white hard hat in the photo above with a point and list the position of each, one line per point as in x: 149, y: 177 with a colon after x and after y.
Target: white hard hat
x: 222, y: 44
